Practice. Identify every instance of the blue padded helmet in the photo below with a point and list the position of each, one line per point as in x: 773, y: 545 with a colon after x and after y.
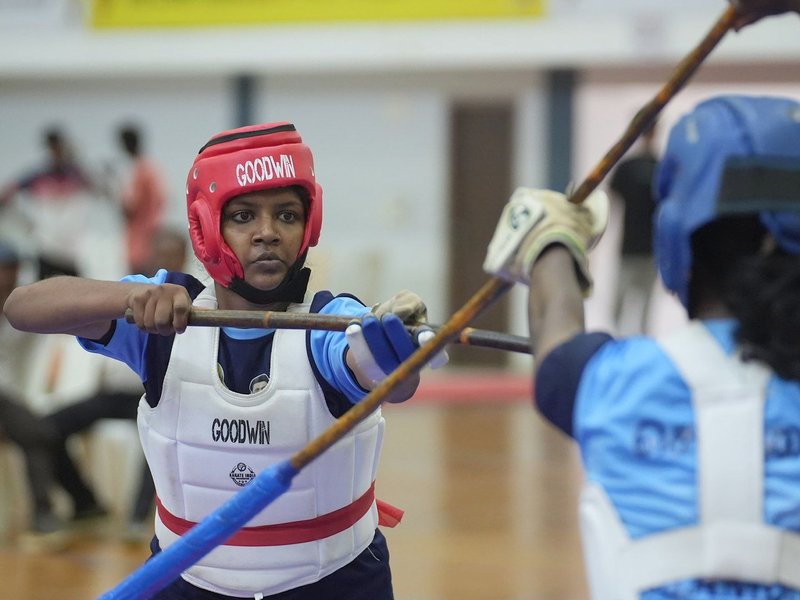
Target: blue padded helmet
x: 731, y: 155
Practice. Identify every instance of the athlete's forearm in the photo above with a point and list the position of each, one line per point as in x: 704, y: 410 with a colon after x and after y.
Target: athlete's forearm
x: 72, y: 305
x: 556, y: 302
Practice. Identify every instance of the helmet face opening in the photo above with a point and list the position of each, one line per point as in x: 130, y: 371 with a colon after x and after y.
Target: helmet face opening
x: 732, y: 154
x: 239, y: 161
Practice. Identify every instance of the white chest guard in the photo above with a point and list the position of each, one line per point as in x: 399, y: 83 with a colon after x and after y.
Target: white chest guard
x: 203, y: 442
x: 728, y: 398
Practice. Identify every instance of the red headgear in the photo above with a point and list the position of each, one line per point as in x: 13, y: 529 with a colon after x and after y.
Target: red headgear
x: 236, y: 162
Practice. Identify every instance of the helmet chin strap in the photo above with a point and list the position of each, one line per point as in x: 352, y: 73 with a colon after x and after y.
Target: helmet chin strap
x: 291, y: 289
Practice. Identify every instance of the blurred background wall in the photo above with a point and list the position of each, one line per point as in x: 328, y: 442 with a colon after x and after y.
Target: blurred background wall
x: 420, y: 127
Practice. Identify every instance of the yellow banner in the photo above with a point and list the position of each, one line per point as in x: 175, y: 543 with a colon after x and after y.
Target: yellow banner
x: 194, y: 13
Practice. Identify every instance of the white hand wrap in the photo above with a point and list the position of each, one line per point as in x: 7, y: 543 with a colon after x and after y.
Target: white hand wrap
x: 534, y: 219
x: 363, y: 355
x: 439, y: 359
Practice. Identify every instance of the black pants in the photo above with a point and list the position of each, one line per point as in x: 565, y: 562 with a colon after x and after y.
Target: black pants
x: 368, y: 577
x: 81, y: 415
x: 46, y: 456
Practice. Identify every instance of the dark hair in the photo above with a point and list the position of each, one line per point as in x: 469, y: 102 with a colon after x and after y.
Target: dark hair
x: 736, y: 259
x: 130, y: 139
x: 53, y: 135
x: 54, y: 138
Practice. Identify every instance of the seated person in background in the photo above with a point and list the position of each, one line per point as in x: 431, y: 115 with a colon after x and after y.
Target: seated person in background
x: 46, y: 458
x: 121, y: 391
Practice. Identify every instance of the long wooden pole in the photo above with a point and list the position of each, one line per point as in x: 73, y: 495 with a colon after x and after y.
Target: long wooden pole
x: 488, y: 293
x: 495, y: 287
x: 250, y: 319
x: 647, y: 114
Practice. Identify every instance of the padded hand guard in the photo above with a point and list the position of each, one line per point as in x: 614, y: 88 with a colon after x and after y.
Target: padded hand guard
x: 412, y: 311
x: 381, y: 341
x: 406, y: 305
x: 535, y: 219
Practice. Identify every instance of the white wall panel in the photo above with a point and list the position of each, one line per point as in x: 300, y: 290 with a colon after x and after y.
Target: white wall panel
x: 381, y: 148
x: 381, y: 159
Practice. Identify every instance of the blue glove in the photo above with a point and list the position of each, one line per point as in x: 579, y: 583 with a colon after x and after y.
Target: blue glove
x: 379, y: 345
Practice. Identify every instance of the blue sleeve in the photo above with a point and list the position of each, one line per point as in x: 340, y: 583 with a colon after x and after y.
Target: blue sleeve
x: 328, y: 349
x: 559, y: 375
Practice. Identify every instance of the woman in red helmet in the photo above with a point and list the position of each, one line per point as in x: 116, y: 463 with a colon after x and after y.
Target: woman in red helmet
x: 221, y: 405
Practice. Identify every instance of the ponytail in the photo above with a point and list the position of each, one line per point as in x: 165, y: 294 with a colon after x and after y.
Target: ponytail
x: 736, y: 262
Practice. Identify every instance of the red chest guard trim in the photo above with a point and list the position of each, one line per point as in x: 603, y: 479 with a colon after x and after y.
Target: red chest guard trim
x: 296, y: 532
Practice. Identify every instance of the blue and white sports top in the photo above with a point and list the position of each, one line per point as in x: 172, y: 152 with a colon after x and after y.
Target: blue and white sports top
x: 631, y: 412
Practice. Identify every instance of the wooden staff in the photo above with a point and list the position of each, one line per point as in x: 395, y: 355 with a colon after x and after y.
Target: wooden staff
x: 447, y: 333
x: 647, y: 114
x: 252, y: 319
x: 495, y: 287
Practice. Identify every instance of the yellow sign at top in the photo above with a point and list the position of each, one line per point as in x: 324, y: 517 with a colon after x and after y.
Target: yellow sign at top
x: 195, y: 13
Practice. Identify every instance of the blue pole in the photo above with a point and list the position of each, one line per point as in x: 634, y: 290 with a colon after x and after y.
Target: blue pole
x: 217, y: 527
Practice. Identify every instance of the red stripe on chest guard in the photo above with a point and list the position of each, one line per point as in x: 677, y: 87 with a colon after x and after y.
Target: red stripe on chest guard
x: 295, y: 532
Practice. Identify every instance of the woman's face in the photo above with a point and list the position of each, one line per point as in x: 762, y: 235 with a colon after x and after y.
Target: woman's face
x: 265, y: 231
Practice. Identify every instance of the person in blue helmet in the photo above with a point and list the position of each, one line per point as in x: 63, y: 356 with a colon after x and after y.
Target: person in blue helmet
x: 690, y: 443
x: 223, y: 404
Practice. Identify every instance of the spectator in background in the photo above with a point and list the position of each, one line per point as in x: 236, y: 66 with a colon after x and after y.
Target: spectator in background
x: 46, y: 458
x: 631, y: 184
x: 122, y: 390
x: 60, y: 176
x: 52, y: 185
x: 143, y: 201
x: 170, y: 251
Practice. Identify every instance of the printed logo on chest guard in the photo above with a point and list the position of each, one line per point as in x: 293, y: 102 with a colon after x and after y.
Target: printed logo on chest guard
x: 241, y: 431
x: 242, y: 474
x: 258, y: 383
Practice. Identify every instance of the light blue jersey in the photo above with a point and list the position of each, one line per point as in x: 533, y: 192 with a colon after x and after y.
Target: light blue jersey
x: 634, y: 423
